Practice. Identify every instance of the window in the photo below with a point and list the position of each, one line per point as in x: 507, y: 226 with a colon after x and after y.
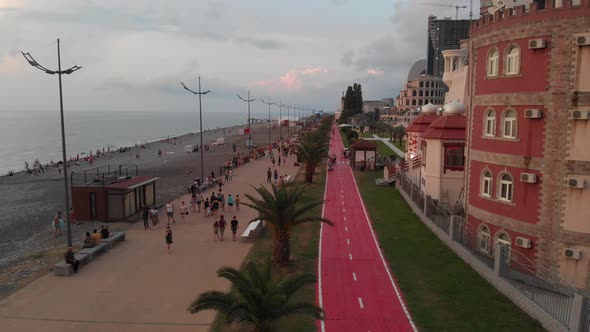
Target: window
x: 486, y: 185
x: 490, y: 123
x: 558, y: 3
x: 493, y: 63
x: 484, y: 240
x: 427, y: 84
x: 506, y: 188
x: 420, y: 102
x: 509, y: 124
x: 421, y: 84
x: 414, y: 93
x: 420, y: 93
x: 423, y: 149
x: 513, y: 61
x: 454, y: 159
x: 413, y: 102
x: 505, y: 242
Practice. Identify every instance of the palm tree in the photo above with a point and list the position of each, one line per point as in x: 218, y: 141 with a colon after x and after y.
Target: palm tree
x: 282, y: 209
x: 312, y: 149
x: 257, y: 299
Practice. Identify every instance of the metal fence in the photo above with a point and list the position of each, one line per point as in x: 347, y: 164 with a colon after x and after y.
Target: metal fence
x: 418, y: 197
x: 103, y: 175
x: 467, y: 236
x: 541, y: 286
x: 406, y: 185
x: 439, y: 215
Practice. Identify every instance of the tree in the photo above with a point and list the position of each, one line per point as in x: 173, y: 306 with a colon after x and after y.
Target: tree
x: 353, y: 102
x: 312, y: 148
x: 399, y: 132
x: 282, y: 209
x: 376, y: 114
x: 258, y: 299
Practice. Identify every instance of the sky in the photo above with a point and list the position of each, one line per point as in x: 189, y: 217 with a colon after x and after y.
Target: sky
x: 134, y: 54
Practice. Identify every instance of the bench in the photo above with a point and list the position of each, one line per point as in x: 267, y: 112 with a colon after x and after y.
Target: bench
x: 65, y: 269
x: 287, y: 178
x: 252, y: 231
x: 91, y: 252
x: 110, y: 241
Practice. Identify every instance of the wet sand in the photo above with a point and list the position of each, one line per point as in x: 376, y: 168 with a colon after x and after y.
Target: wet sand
x: 28, y: 203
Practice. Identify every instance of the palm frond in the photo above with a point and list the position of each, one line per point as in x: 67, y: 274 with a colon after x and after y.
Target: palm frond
x: 302, y: 308
x: 212, y: 300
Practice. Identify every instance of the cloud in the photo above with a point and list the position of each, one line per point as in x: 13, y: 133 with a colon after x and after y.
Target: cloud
x: 292, y: 79
x: 264, y: 44
x: 372, y: 71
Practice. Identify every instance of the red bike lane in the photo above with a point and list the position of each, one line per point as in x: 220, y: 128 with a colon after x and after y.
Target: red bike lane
x: 355, y: 286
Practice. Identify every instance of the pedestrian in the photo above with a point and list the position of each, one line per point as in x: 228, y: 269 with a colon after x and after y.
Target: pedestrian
x: 221, y: 200
x: 194, y: 199
x: 214, y: 207
x: 207, y: 207
x: 279, y: 161
x: 155, y: 218
x: 226, y: 175
x: 170, y: 212
x: 71, y: 259
x: 57, y: 225
x: 230, y: 201
x: 145, y: 213
x: 73, y: 219
x: 237, y: 202
x: 230, y: 173
x: 272, y: 159
x: 234, y: 227
x: 199, y: 201
x: 220, y: 182
x: 168, y: 237
x: 221, y: 226
x: 276, y: 175
x: 216, y: 230
x: 183, y: 210
x: 268, y: 176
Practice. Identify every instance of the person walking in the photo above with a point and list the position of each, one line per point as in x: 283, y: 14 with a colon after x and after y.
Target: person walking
x: 215, y: 230
x: 57, y: 225
x: 230, y: 202
x: 73, y: 219
x: 234, y: 227
x: 194, y: 199
x: 221, y: 224
x: 155, y: 218
x: 207, y: 207
x: 230, y: 174
x: 183, y: 210
x: 145, y: 213
x: 276, y: 175
x: 226, y: 175
x: 279, y: 161
x: 237, y: 202
x: 170, y: 212
x: 268, y: 176
x: 168, y: 237
x: 199, y: 202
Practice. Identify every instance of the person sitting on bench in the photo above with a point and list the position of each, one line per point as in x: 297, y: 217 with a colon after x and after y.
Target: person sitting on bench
x: 88, y: 243
x: 95, y: 237
x: 70, y: 259
x: 104, y: 232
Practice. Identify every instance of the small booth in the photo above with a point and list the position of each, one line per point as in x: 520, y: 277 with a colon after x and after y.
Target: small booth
x: 364, y: 154
x: 105, y: 195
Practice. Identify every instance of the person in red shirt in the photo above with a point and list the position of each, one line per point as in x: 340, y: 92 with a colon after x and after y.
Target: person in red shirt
x: 73, y: 219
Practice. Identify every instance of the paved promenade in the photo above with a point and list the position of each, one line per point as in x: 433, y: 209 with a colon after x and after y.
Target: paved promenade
x: 356, y: 287
x: 389, y: 145
x: 138, y: 286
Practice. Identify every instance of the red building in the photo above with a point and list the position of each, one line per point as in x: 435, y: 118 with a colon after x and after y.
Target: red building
x: 528, y: 160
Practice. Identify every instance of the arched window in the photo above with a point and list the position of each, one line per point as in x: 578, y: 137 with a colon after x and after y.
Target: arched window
x: 420, y: 93
x: 427, y: 93
x: 413, y: 102
x: 505, y: 242
x: 420, y: 102
x: 492, y: 64
x: 506, y: 188
x: 513, y: 61
x: 414, y: 93
x: 486, y: 184
x: 421, y: 84
x: 509, y: 124
x: 484, y: 239
x: 490, y: 123
x: 407, y: 102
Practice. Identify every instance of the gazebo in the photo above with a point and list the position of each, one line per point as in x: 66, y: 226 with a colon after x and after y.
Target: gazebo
x: 363, y: 152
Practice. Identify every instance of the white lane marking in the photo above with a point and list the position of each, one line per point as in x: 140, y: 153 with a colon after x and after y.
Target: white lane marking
x: 361, y: 303
x: 354, y: 276
x: 397, y: 291
x: 320, y: 296
x: 346, y: 228
x: 344, y: 218
x: 344, y: 210
x: 348, y: 241
x: 350, y: 256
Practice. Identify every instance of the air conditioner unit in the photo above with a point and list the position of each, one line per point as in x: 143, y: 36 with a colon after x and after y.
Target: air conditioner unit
x: 522, y: 242
x: 536, y: 44
x: 583, y: 40
x: 528, y: 177
x: 575, y: 183
x: 579, y: 114
x: 532, y: 113
x: 572, y: 253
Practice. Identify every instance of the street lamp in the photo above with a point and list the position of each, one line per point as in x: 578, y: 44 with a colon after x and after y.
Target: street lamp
x: 249, y: 120
x: 269, y: 103
x: 200, y: 93
x: 59, y: 72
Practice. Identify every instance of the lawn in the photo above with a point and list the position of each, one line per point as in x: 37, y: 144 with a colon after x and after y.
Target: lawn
x: 401, y: 146
x: 304, y: 256
x: 443, y: 293
x: 344, y: 139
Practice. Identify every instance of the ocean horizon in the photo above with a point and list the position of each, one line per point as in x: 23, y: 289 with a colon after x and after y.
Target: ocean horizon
x: 31, y: 135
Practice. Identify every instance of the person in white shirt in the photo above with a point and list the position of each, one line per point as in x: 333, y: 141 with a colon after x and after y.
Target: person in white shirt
x: 170, y: 212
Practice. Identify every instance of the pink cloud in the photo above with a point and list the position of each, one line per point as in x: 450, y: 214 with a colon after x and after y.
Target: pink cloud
x: 372, y: 71
x: 292, y: 79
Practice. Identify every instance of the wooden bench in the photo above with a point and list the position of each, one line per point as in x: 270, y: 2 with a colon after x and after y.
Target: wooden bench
x: 252, y: 231
x: 110, y: 241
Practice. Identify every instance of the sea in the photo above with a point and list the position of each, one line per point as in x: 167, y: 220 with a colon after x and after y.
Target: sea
x: 30, y: 135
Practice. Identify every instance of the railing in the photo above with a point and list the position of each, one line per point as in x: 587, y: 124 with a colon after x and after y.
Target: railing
x: 541, y: 286
x: 406, y: 185
x: 469, y: 239
x: 103, y: 175
x: 418, y: 196
x: 439, y: 215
